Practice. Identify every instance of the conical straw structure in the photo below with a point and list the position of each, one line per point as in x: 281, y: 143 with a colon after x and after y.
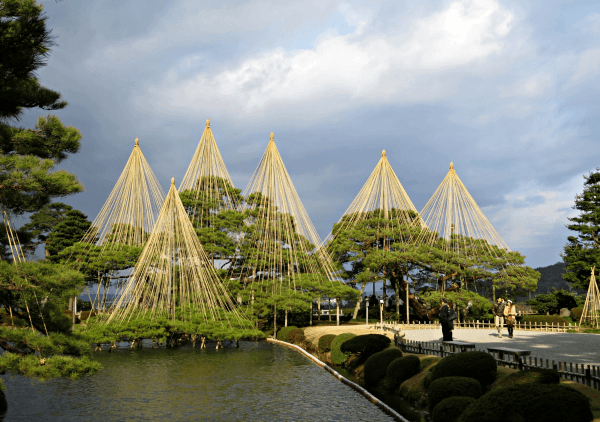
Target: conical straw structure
x: 453, y: 214
x: 208, y: 178
x: 173, y: 277
x: 284, y: 239
x: 382, y: 196
x: 591, y: 308
x: 129, y: 213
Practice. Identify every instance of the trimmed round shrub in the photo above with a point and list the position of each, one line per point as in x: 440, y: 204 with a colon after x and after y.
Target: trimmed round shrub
x: 366, y: 344
x: 337, y: 356
x: 450, y: 409
x: 284, y: 333
x: 532, y: 375
x: 530, y: 402
x: 325, y: 342
x: 377, y: 364
x: 576, y: 313
x: 479, y: 365
x: 443, y: 388
x: 401, y: 369
x: 295, y: 334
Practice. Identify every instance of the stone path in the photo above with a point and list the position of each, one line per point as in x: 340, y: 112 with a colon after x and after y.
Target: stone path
x: 560, y: 347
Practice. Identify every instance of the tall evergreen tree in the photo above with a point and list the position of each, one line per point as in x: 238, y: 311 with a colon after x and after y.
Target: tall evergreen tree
x: 67, y: 232
x: 41, y: 224
x: 583, y: 250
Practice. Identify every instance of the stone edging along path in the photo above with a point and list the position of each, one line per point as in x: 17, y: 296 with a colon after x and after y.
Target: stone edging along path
x: 345, y: 380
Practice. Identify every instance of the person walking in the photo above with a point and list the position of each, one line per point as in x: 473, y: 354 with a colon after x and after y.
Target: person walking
x: 510, y: 315
x: 498, y: 311
x: 445, y: 321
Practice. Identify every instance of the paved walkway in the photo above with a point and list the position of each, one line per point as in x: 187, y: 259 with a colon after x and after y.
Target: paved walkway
x: 560, y: 347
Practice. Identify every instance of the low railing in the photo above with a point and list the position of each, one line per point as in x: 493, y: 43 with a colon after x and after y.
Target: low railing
x: 484, y: 324
x: 583, y: 374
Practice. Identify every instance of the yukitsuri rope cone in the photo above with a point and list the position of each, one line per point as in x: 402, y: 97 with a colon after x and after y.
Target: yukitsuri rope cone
x: 589, y: 316
x: 383, y: 197
x: 282, y: 245
x: 128, y: 214
x: 207, y: 175
x: 456, y: 224
x: 173, y: 277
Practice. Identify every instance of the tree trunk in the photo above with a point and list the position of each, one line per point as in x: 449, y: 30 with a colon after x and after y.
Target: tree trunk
x: 275, y: 322
x: 407, y: 303
x: 398, y: 300
x: 319, y: 308
x: 312, y: 301
x: 357, y: 307
x: 286, y: 314
x: 337, y: 308
x: 329, y: 299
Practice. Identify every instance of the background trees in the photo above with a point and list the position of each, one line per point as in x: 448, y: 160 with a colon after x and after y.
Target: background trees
x: 583, y: 250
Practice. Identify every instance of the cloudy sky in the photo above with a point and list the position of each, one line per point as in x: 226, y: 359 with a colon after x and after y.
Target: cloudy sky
x: 507, y: 90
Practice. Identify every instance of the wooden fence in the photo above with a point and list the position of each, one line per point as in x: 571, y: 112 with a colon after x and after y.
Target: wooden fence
x: 476, y: 324
x: 583, y: 374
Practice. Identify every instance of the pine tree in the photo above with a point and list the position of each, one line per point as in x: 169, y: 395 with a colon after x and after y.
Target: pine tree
x: 67, y: 232
x: 583, y: 250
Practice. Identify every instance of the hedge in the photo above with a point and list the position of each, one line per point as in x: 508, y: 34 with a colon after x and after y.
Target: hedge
x: 296, y: 335
x: 442, y: 388
x: 450, y: 409
x: 376, y: 365
x: 284, y: 332
x: 366, y: 344
x: 337, y: 356
x: 325, y: 342
x: 479, y: 365
x: 402, y: 369
x: 530, y: 402
x: 576, y: 313
x: 550, y: 319
x: 532, y: 375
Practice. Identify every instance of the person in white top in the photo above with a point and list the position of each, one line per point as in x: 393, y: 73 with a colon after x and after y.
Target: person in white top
x: 510, y: 315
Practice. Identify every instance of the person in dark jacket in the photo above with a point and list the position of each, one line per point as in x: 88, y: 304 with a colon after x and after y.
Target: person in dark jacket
x: 445, y: 321
x: 498, y: 311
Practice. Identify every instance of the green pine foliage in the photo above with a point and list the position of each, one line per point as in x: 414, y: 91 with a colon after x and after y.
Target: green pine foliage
x: 442, y: 388
x: 53, y: 367
x: 337, y: 356
x: 554, y: 301
x: 377, y: 364
x: 583, y: 248
x: 478, y: 365
x: 67, y: 232
x: 530, y: 402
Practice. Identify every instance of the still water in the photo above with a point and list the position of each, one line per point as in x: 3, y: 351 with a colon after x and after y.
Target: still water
x: 259, y: 381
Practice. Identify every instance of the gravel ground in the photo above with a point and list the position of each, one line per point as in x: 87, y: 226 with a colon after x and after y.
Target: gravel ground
x: 560, y: 347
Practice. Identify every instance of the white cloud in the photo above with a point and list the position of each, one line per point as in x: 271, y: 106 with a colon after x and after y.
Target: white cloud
x: 530, y: 87
x: 587, y: 66
x: 529, y: 213
x: 363, y: 67
x: 592, y: 23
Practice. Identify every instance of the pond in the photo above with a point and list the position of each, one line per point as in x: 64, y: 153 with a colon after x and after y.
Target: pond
x: 258, y: 381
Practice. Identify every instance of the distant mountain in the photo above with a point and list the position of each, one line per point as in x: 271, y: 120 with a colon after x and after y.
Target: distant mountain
x: 552, y: 277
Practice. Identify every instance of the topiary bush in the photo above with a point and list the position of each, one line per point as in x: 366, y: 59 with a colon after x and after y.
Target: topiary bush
x: 295, y: 335
x: 479, y: 365
x: 442, y: 388
x: 576, y: 313
x: 337, y: 356
x: 532, y: 375
x: 530, y: 402
x: 367, y: 344
x: 325, y: 342
x: 450, y: 409
x: 284, y: 333
x: 377, y: 364
x: 401, y: 369
x: 543, y: 319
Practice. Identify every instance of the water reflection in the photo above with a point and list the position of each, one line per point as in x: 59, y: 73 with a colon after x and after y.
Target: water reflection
x: 259, y: 381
